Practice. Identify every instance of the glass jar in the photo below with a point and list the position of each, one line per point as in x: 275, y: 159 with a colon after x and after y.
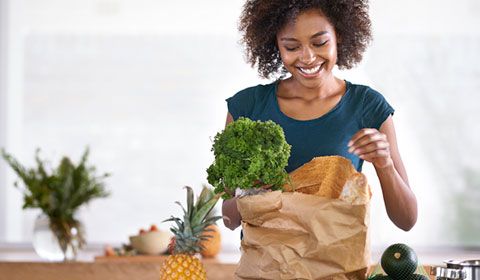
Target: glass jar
x: 46, y: 244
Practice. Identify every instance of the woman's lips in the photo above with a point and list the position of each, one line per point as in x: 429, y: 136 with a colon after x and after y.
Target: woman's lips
x: 310, y: 72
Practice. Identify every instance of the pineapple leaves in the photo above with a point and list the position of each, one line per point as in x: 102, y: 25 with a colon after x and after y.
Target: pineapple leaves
x: 183, y: 208
x: 205, y: 196
x: 190, y: 230
x: 190, y: 198
x: 188, y: 227
x: 199, y: 217
x: 212, y: 220
x: 178, y: 221
x: 201, y: 228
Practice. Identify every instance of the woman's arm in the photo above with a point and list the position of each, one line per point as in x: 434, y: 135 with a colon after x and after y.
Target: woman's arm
x: 380, y: 148
x: 231, y: 216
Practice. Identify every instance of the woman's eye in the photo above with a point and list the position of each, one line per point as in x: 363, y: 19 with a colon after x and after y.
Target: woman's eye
x: 290, y: 49
x: 320, y: 44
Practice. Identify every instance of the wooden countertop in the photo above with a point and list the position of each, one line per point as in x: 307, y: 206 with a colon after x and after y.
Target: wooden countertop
x: 23, y: 264
x: 98, y: 271
x: 119, y: 269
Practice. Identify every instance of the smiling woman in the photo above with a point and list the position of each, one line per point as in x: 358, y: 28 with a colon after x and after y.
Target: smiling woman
x: 309, y: 55
x: 321, y: 114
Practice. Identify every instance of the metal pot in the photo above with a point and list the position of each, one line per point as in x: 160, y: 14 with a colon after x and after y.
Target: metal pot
x: 470, y: 267
x: 446, y: 273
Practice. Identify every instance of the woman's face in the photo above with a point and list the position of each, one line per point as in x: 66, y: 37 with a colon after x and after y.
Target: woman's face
x: 308, y: 48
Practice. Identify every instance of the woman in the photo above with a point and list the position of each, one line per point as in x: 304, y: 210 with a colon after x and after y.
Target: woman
x: 302, y: 41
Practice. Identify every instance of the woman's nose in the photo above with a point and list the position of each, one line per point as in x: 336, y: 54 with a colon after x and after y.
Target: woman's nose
x: 307, y: 56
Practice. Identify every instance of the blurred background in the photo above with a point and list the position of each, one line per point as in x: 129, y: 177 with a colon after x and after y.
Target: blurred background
x: 143, y: 83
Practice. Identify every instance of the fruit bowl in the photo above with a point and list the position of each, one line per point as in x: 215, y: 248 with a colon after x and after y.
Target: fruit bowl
x: 151, y: 243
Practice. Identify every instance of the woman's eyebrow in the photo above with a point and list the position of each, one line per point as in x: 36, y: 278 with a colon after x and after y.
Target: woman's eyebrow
x: 319, y: 34
x: 313, y: 36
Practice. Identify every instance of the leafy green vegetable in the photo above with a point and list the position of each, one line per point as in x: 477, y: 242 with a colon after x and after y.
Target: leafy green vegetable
x: 249, y: 154
x: 59, y: 192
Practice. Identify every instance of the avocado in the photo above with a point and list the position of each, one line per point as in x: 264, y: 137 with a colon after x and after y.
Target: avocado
x: 399, y: 261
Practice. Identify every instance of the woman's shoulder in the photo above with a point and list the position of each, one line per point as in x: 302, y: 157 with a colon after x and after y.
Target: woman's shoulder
x: 374, y: 106
x: 245, y: 101
x: 362, y: 89
x: 253, y: 94
x: 364, y: 94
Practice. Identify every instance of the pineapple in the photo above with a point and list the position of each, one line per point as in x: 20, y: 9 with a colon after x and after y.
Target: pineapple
x: 189, y: 232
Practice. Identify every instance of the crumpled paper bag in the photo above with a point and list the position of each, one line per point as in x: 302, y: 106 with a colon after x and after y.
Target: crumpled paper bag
x: 302, y: 236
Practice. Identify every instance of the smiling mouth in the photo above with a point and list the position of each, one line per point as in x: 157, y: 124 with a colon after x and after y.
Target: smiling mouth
x: 310, y: 71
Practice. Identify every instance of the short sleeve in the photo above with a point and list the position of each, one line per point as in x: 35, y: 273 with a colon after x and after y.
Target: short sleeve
x: 242, y: 103
x: 375, y: 109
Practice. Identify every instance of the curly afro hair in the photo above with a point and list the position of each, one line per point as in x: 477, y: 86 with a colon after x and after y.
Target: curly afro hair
x: 261, y: 20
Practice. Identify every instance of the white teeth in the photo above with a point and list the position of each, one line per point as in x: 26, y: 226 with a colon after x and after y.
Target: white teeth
x: 310, y: 70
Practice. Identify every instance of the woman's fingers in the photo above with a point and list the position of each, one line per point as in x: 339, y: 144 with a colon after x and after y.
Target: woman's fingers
x: 371, y: 147
x: 365, y: 138
x: 371, y: 156
x: 361, y: 134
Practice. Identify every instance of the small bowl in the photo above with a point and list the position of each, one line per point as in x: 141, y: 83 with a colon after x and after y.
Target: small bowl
x: 151, y: 243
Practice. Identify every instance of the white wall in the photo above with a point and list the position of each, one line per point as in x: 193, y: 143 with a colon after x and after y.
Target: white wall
x: 425, y: 58
x: 3, y: 57
x: 426, y: 17
x: 11, y: 94
x: 127, y: 17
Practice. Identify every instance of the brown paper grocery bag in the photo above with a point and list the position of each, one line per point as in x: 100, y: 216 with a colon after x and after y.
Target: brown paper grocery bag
x: 302, y: 236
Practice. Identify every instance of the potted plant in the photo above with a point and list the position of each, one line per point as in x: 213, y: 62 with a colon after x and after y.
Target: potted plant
x: 59, y: 193
x: 249, y: 155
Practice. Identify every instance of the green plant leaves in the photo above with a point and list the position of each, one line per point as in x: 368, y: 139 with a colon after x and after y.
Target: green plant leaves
x: 189, y: 230
x: 59, y: 192
x: 248, y: 153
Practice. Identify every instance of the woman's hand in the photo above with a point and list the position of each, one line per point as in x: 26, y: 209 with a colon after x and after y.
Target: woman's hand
x: 371, y: 145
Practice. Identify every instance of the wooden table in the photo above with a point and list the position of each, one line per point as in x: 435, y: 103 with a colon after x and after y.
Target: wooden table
x: 132, y: 268
x: 119, y: 269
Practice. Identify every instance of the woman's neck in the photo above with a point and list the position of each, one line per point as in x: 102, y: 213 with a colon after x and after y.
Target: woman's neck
x: 290, y: 88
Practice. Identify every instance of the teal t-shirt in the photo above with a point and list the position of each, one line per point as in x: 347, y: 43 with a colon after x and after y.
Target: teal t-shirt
x: 360, y: 107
